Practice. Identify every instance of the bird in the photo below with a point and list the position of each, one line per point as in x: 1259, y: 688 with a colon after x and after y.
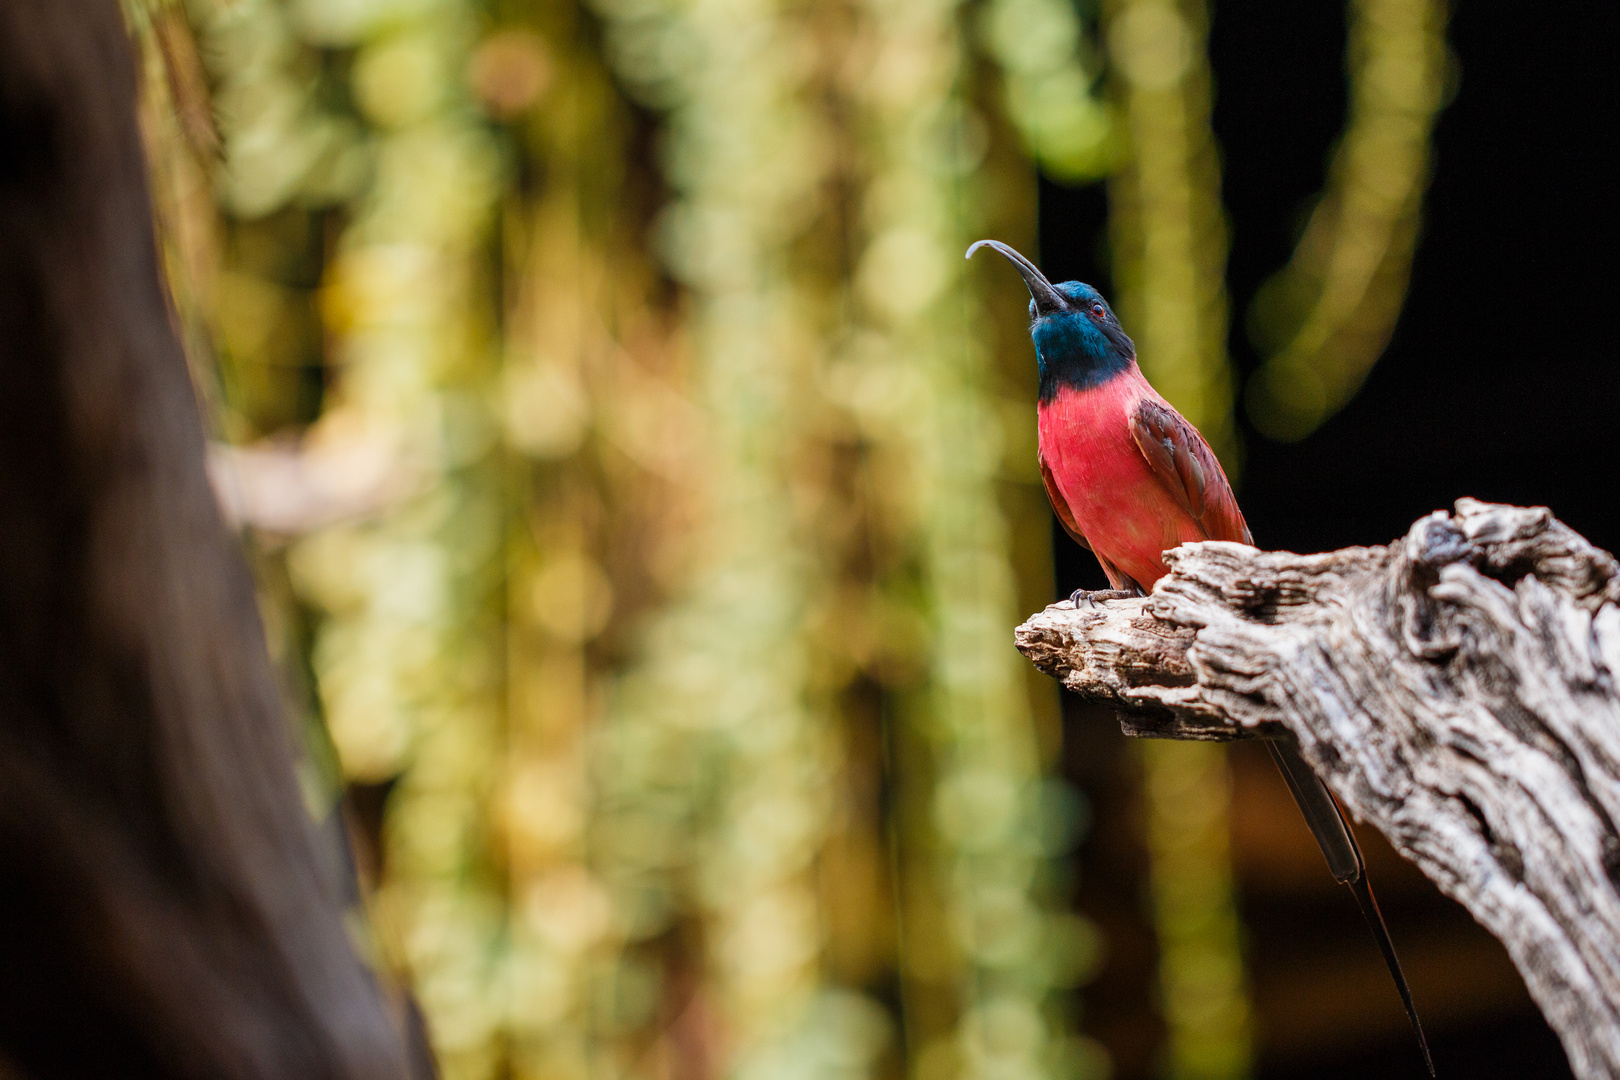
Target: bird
x: 1130, y: 478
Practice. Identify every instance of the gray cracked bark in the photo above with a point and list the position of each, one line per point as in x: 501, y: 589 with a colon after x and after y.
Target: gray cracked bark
x: 1459, y: 689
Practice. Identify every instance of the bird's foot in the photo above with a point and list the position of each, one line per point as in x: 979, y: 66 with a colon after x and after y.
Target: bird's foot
x: 1089, y: 598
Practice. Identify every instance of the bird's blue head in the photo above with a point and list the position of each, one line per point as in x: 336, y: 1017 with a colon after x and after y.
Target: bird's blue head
x: 1078, y: 341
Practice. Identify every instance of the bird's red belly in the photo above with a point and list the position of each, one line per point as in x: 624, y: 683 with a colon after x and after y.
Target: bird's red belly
x: 1121, y: 507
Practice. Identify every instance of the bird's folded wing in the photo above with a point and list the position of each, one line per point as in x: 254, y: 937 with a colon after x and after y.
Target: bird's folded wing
x: 1059, y: 506
x: 1187, y: 467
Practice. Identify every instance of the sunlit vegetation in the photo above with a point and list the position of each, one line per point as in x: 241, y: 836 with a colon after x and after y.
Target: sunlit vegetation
x: 642, y: 490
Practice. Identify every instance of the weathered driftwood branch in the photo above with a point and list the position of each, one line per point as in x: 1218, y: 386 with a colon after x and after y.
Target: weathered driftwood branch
x: 1459, y: 689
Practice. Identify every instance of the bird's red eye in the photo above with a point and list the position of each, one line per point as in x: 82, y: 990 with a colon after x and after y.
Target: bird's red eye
x: 1097, y: 311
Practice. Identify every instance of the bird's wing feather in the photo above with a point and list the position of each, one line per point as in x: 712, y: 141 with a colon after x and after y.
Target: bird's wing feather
x: 1188, y: 469
x: 1060, y: 506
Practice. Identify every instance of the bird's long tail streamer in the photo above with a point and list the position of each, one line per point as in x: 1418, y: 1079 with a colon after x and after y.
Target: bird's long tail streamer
x: 1327, y: 823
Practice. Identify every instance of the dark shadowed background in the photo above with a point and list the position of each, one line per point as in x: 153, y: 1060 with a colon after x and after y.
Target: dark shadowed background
x: 1499, y: 384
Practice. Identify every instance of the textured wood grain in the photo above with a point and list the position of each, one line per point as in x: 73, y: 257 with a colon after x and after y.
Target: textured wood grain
x: 1457, y: 689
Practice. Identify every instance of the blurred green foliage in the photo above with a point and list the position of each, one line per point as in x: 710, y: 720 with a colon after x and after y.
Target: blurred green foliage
x: 675, y: 647
x: 642, y: 490
x: 1322, y: 321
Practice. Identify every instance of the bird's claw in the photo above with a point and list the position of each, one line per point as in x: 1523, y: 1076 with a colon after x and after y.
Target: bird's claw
x: 1088, y: 598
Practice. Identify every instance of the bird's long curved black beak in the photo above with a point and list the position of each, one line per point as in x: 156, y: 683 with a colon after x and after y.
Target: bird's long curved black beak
x: 1047, y: 299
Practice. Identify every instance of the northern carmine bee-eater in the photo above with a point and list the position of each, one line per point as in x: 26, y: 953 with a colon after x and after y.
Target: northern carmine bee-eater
x: 1130, y: 478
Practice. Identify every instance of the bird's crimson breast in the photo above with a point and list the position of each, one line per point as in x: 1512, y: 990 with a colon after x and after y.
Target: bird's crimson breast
x: 1119, y: 504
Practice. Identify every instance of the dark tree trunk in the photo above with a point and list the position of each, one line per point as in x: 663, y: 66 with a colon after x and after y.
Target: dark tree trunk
x: 166, y: 906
